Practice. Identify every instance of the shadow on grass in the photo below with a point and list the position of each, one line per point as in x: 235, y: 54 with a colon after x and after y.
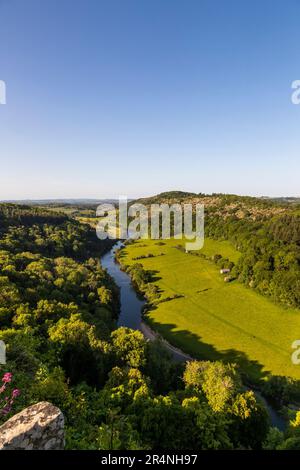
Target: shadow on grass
x: 153, y: 275
x: 168, y: 299
x: 203, y: 290
x: 193, y: 345
x: 122, y: 253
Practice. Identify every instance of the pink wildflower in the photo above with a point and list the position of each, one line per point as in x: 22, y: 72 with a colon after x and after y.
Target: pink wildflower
x: 7, y: 377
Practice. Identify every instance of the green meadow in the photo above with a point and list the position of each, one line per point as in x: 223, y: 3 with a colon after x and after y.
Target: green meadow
x: 213, y: 319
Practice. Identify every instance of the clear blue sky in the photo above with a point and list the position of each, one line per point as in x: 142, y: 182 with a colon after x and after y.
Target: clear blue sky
x: 141, y: 96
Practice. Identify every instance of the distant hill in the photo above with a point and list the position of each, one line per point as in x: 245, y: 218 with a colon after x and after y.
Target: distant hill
x: 229, y: 205
x: 177, y: 196
x: 286, y: 200
x: 183, y: 196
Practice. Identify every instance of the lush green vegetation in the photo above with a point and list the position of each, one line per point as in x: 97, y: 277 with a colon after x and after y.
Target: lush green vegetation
x: 196, y: 310
x: 265, y: 232
x: 270, y: 253
x: 58, y: 312
x: 58, y: 318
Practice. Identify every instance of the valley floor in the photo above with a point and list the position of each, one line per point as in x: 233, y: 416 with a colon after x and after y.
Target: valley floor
x: 213, y: 319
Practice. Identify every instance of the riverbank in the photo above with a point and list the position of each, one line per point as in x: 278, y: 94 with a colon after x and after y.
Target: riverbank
x: 131, y: 316
x: 176, y: 353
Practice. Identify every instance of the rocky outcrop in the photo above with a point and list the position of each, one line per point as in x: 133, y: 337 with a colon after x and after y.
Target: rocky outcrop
x: 39, y: 427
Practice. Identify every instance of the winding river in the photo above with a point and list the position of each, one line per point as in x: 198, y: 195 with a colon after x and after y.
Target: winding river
x: 131, y: 316
x: 131, y: 305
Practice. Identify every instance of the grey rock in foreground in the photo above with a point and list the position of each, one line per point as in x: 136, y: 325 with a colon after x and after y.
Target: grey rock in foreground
x: 38, y: 427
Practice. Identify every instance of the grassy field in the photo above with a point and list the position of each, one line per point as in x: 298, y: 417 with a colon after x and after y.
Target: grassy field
x: 214, y: 319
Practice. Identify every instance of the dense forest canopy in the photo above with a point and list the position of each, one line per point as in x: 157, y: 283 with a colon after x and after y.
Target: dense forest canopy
x: 270, y: 248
